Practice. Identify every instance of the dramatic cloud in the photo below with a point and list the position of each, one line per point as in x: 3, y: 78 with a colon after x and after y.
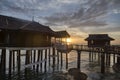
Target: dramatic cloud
x: 88, y: 15
x: 78, y: 17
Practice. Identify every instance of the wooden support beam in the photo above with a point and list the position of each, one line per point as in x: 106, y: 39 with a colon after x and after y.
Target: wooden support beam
x: 102, y: 62
x: 10, y: 63
x: 49, y: 51
x: 3, y: 64
x: 41, y: 58
x: 18, y: 61
x: 66, y: 60
x: 34, y: 58
x: 45, y: 65
x: 13, y: 60
x: 78, y: 59
x: 57, y: 60
x: 53, y: 59
x: 61, y: 59
x: 38, y: 59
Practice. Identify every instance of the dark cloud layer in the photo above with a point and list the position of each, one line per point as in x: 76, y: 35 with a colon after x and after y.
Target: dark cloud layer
x: 83, y: 14
x: 88, y: 15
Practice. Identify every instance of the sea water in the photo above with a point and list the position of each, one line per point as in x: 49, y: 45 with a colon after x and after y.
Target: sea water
x: 92, y: 69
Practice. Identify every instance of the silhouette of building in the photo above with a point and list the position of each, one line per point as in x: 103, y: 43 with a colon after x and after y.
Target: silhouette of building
x: 17, y: 32
x: 98, y: 40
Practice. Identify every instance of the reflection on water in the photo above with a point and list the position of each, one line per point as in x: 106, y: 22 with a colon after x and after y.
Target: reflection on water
x: 92, y: 69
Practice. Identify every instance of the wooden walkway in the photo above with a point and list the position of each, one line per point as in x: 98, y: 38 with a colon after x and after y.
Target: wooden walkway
x: 114, y: 49
x: 40, y: 58
x: 104, y: 54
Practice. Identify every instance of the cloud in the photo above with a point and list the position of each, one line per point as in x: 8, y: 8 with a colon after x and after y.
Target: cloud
x: 73, y: 13
x: 90, y: 23
x: 83, y: 15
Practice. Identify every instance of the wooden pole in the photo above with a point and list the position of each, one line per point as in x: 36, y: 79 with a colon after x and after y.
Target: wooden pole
x: 38, y: 59
x: 18, y: 61
x: 45, y: 65
x: 99, y: 57
x: 41, y: 57
x: 3, y: 64
x: 113, y: 58
x: 102, y: 62
x: 49, y: 56
x: 53, y: 59
x: 78, y: 59
x: 13, y: 61
x: 34, y: 57
x: 118, y: 58
x: 31, y: 56
x: 66, y: 60
x: 61, y: 59
x: 57, y: 60
x: 90, y: 56
x: 10, y: 63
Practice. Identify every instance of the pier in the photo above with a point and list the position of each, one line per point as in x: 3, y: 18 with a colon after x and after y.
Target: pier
x: 103, y: 54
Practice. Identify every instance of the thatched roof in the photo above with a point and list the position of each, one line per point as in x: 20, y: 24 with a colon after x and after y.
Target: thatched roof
x: 11, y: 23
x: 62, y: 34
x: 98, y: 37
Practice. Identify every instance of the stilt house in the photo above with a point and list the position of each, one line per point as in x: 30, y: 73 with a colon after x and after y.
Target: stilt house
x: 16, y: 32
x: 98, y: 40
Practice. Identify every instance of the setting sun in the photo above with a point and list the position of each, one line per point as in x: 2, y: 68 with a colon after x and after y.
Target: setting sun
x: 68, y: 40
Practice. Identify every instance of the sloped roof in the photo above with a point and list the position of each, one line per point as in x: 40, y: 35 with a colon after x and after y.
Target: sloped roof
x: 62, y: 34
x: 98, y: 37
x: 19, y: 24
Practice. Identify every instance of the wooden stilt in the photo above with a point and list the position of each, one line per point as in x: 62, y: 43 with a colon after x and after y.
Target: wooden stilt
x: 18, y: 61
x: 90, y: 56
x: 99, y: 58
x: 61, y: 59
x: 102, y: 62
x: 66, y: 60
x: 31, y: 57
x: 34, y: 57
x: 38, y: 59
x: 118, y: 58
x: 57, y: 60
x: 78, y: 59
x: 27, y: 61
x: 3, y: 64
x: 45, y: 65
x: 53, y: 59
x: 49, y: 56
x: 41, y: 57
x: 10, y: 63
x: 113, y: 58
x: 13, y: 61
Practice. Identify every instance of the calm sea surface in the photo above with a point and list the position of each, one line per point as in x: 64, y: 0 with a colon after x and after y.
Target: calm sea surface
x: 92, y: 69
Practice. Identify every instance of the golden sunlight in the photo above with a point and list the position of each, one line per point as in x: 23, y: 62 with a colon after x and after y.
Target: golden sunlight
x: 68, y: 40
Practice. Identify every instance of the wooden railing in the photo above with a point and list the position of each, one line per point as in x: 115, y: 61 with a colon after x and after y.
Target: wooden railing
x: 115, y: 49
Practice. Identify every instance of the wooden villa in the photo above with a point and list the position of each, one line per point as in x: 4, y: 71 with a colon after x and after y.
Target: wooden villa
x: 98, y: 40
x: 22, y: 33
x: 61, y: 41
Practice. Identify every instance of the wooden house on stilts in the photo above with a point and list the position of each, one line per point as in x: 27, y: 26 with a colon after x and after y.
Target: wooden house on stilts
x: 21, y: 33
x: 61, y: 42
x: 98, y: 40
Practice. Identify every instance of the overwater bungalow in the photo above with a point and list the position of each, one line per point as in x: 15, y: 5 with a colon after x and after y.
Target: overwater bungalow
x: 61, y: 41
x: 98, y: 40
x: 16, y: 32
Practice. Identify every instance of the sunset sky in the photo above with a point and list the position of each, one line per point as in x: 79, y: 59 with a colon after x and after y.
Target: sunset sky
x: 78, y: 17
